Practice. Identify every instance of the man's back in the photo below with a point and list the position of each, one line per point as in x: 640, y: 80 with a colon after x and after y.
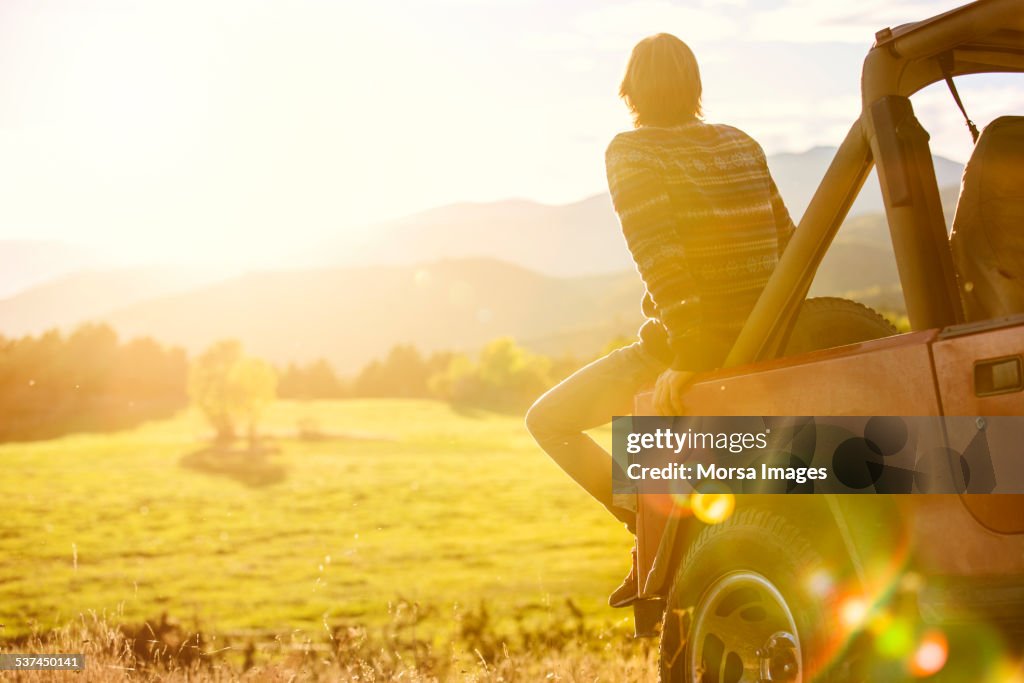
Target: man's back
x: 705, y: 224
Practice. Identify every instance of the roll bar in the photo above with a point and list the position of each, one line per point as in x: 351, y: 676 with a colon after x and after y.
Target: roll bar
x: 982, y: 37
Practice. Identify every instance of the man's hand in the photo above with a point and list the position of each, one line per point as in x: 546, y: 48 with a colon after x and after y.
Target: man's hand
x: 669, y: 389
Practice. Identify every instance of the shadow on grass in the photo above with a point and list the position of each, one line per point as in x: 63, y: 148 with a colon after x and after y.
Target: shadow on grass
x: 473, y: 412
x: 309, y: 431
x: 334, y: 437
x: 251, y: 467
x: 479, y: 409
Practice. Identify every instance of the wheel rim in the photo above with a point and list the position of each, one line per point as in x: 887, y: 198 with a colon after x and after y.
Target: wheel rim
x: 743, y: 632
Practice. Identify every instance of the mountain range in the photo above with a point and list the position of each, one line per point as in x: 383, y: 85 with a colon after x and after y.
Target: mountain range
x: 557, y: 278
x: 573, y: 239
x: 352, y: 315
x: 27, y: 263
x: 80, y: 296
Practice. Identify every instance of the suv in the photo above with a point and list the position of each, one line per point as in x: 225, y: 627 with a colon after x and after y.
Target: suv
x: 799, y: 588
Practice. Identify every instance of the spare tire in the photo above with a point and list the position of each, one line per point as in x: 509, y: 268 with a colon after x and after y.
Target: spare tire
x: 826, y: 322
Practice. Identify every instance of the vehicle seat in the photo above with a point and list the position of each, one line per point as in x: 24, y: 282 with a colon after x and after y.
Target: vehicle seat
x: 988, y: 227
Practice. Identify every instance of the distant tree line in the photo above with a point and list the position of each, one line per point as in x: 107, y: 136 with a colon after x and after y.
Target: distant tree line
x: 403, y: 373
x: 503, y: 376
x: 87, y: 380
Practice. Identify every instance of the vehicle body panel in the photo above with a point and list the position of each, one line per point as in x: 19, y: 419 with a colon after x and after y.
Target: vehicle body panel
x: 959, y: 358
x: 892, y: 376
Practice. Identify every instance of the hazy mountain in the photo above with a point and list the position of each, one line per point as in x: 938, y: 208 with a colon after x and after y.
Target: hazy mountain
x: 574, y: 239
x: 71, y: 299
x: 24, y: 263
x: 798, y: 175
x: 860, y: 263
x: 536, y: 272
x: 351, y: 315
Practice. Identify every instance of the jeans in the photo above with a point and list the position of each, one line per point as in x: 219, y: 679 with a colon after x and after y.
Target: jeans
x: 589, y: 398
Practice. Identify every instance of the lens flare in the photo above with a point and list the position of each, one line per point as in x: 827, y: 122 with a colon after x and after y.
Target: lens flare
x: 865, y: 601
x: 821, y: 583
x: 852, y: 612
x: 680, y: 500
x: 931, y: 654
x: 1010, y: 672
x: 894, y: 638
x: 666, y: 505
x: 713, y: 508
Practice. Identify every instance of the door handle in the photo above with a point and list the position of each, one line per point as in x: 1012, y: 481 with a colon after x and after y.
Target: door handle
x: 994, y: 376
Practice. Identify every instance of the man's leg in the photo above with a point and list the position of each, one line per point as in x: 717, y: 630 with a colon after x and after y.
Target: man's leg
x: 589, y: 398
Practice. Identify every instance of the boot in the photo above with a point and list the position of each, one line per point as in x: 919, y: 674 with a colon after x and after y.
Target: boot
x: 629, y: 591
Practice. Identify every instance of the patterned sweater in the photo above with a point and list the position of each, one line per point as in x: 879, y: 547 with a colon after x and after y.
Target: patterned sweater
x: 705, y: 225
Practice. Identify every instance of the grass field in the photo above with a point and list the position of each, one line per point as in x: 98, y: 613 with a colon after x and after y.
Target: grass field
x: 396, y: 504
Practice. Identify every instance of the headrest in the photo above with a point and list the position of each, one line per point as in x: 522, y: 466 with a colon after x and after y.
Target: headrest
x: 988, y: 228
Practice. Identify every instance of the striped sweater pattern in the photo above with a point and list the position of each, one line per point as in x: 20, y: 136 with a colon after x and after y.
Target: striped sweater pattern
x: 705, y: 224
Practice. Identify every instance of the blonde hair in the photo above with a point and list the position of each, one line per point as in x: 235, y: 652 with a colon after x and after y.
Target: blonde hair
x: 662, y: 82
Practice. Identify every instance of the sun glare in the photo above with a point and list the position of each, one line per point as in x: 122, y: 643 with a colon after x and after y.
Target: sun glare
x: 931, y: 654
x: 713, y: 508
x: 853, y: 612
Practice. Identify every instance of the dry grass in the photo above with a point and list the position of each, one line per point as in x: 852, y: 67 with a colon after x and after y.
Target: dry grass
x: 164, y: 650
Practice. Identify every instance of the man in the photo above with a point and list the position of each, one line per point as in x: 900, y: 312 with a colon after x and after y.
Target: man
x: 705, y: 225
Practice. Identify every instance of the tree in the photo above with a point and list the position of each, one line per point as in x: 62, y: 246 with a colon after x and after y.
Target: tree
x: 322, y: 381
x: 314, y: 381
x: 506, y: 377
x: 404, y: 373
x: 253, y: 386
x: 229, y: 387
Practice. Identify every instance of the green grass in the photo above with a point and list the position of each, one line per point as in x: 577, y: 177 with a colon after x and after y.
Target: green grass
x: 403, y: 500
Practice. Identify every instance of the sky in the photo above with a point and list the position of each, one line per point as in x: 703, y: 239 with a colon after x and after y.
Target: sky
x: 235, y: 131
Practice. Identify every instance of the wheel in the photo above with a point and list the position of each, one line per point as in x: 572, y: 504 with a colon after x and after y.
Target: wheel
x: 826, y: 322
x: 741, y: 609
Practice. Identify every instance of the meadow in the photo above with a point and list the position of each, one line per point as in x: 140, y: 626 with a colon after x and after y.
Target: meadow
x: 405, y: 521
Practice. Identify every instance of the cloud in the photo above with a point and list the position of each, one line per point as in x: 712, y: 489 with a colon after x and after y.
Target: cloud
x: 614, y: 24
x: 617, y: 27
x: 985, y: 97
x: 813, y: 21
x: 788, y: 124
x: 724, y: 3
x: 708, y: 23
